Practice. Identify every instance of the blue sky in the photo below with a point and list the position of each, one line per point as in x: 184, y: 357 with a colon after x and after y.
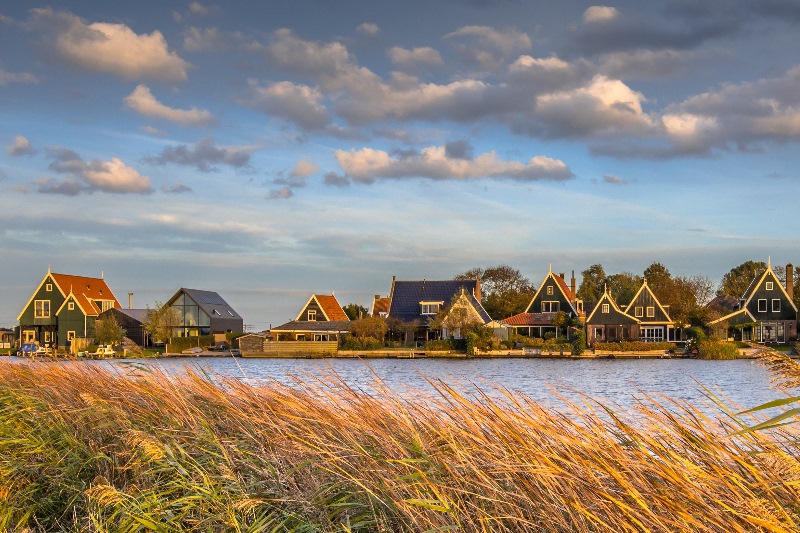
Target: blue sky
x: 269, y: 150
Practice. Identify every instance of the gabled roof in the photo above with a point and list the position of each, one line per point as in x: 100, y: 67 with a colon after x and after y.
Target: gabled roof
x: 407, y: 295
x: 476, y: 305
x: 87, y: 306
x: 758, y: 280
x: 336, y: 326
x: 646, y: 288
x: 329, y: 305
x: 607, y: 298
x: 210, y: 302
x: 380, y: 305
x: 569, y: 296
x: 529, y: 319
x: 84, y: 288
x: 743, y: 316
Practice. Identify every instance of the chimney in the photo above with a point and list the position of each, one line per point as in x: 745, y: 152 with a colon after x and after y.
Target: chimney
x: 130, y: 300
x: 790, y: 280
x: 572, y: 283
x: 478, y: 287
x: 377, y: 296
x: 561, y: 275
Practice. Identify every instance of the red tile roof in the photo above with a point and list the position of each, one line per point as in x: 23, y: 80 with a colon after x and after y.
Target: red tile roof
x: 86, y: 291
x: 330, y: 306
x: 529, y: 319
x: 381, y: 305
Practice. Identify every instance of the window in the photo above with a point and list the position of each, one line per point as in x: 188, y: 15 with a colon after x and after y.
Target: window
x: 71, y: 306
x: 28, y: 335
x: 651, y: 312
x: 49, y: 287
x: 769, y: 285
x: 230, y: 313
x: 41, y: 309
x: 550, y: 307
x: 216, y: 313
x: 762, y: 306
x: 70, y: 336
x: 638, y: 311
x: 550, y: 290
x: 606, y: 308
x: 430, y: 308
x: 598, y: 333
x: 48, y: 337
x: 312, y: 315
x: 776, y: 306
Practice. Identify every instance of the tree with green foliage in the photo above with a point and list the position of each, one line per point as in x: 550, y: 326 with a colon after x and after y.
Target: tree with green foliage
x: 658, y: 278
x: 578, y: 342
x: 623, y: 286
x: 161, y: 321
x: 504, y: 290
x: 368, y: 327
x: 593, y: 284
x: 355, y: 311
x: 738, y: 279
x: 561, y: 321
x: 108, y: 331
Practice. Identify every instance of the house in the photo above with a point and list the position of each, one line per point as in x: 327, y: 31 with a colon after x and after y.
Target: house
x: 64, y: 308
x: 380, y: 306
x: 6, y: 338
x: 553, y: 295
x: 320, y: 319
x: 418, y: 304
x: 655, y: 325
x: 203, y: 313
x: 131, y: 321
x: 765, y: 312
x: 609, y: 323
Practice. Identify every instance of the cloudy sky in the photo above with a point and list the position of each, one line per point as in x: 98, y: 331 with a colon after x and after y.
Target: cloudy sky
x: 268, y: 150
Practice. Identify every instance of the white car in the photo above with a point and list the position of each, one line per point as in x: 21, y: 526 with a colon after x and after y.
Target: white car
x: 192, y: 351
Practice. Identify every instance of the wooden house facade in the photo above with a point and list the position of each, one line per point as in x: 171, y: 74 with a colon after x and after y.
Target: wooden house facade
x: 553, y: 295
x: 655, y: 324
x: 609, y: 323
x: 320, y: 319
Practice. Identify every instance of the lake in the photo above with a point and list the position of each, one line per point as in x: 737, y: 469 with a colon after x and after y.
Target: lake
x: 615, y: 382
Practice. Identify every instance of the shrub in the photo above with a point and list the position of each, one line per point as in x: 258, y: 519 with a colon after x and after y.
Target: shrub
x: 716, y: 349
x: 634, y: 346
x: 578, y: 342
x: 178, y: 344
x: 440, y: 345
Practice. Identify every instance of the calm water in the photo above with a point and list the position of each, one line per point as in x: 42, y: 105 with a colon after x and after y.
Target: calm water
x: 615, y: 382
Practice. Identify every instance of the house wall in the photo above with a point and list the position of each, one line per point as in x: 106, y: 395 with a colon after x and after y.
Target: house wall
x: 312, y: 306
x: 74, y: 321
x: 786, y: 312
x: 542, y: 296
x: 28, y: 320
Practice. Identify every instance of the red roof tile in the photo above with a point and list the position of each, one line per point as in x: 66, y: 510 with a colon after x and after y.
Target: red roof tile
x: 330, y: 306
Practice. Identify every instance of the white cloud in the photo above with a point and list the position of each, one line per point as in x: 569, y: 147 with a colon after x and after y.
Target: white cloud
x: 16, y: 77
x: 111, y: 48
x: 487, y: 46
x: 525, y: 63
x: 368, y: 28
x: 599, y: 14
x: 196, y: 8
x: 143, y: 102
x: 296, y: 103
x: 87, y: 177
x: 416, y: 57
x: 367, y: 164
x: 20, y: 146
x: 614, y: 180
x: 304, y: 169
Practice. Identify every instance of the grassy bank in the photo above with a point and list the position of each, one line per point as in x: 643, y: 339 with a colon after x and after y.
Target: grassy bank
x: 82, y: 449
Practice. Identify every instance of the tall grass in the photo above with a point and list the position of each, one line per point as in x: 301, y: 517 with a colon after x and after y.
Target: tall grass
x: 86, y: 449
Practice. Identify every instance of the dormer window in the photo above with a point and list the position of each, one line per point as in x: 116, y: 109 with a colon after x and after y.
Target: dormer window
x: 430, y: 308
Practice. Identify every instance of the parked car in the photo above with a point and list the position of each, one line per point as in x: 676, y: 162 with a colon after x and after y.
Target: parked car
x: 43, y: 351
x: 219, y: 347
x: 104, y: 351
x: 196, y: 350
x: 27, y: 349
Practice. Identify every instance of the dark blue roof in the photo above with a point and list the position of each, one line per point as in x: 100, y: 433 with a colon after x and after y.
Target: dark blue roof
x: 407, y: 296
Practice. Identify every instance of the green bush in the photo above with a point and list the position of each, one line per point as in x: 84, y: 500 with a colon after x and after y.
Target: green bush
x: 178, y: 344
x: 578, y: 342
x: 354, y: 343
x: 440, y: 345
x: 634, y: 346
x: 716, y: 349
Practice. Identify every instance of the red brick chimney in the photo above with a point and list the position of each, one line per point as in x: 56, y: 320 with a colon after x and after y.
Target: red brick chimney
x: 478, y: 287
x: 790, y: 280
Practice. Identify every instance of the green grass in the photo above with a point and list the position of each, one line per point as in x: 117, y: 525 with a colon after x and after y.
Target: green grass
x: 87, y: 449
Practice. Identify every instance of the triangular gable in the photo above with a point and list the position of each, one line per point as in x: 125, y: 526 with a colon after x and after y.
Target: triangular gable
x: 640, y: 294
x: 607, y: 298
x: 89, y: 288
x: 329, y: 306
x: 38, y: 288
x: 568, y: 297
x: 754, y: 285
x: 466, y: 299
x: 87, y: 306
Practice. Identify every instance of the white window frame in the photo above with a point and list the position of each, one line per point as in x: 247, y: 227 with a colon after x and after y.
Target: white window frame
x: 776, y: 305
x: 651, y: 311
x: 71, y: 306
x: 312, y: 315
x: 762, y: 305
x: 70, y: 335
x: 638, y: 311
x: 39, y: 310
x: 769, y: 285
x: 606, y: 308
x: 549, y: 306
x: 430, y: 308
x: 48, y: 287
x: 29, y: 335
x: 48, y: 337
x: 549, y: 290
x: 598, y: 332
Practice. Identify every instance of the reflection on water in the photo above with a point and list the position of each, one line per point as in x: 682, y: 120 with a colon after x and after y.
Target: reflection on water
x: 616, y: 382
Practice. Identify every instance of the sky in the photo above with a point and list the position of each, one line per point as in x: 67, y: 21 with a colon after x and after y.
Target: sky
x: 271, y: 150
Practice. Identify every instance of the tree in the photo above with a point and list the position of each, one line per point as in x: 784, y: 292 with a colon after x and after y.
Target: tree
x: 368, y: 327
x: 457, y: 316
x: 659, y: 279
x: 355, y: 311
x: 108, y: 331
x: 592, y: 284
x: 623, y: 286
x: 161, y: 321
x: 738, y: 279
x: 504, y: 290
x: 561, y: 320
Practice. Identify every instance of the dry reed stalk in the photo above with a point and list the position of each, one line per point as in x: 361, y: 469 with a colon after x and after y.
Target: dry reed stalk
x: 165, y: 452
